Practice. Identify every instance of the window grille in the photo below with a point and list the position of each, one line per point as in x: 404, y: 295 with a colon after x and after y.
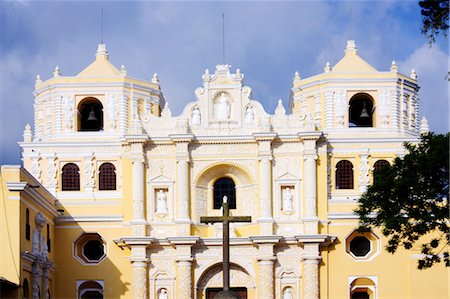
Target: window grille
x: 380, y: 164
x: 107, y: 177
x: 344, y: 175
x: 70, y: 177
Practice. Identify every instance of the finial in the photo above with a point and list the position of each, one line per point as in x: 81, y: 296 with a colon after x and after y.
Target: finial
x: 351, y: 47
x: 206, y: 76
x: 296, y: 77
x: 123, y: 70
x: 327, y: 67
x: 155, y: 79
x: 27, y: 135
x: 238, y: 74
x: 280, y: 108
x: 424, y: 128
x: 101, y: 52
x: 38, y: 80
x: 394, y: 67
x: 57, y: 72
x: 413, y: 74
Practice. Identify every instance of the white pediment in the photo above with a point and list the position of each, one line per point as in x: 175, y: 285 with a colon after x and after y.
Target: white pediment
x: 287, y: 177
x: 161, y: 179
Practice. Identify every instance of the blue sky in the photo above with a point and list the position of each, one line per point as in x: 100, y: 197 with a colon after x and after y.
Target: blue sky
x: 268, y: 41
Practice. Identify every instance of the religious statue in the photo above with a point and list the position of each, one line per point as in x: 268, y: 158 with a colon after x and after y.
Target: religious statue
x: 161, y: 202
x: 249, y: 115
x: 223, y: 112
x: 287, y: 200
x: 287, y: 294
x: 196, y: 117
x: 163, y: 294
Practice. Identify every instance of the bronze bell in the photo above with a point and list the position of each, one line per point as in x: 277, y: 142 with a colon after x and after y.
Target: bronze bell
x: 91, y: 116
x: 364, y: 113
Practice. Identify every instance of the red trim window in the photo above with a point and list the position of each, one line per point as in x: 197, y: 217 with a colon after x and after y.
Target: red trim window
x: 70, y: 177
x: 107, y: 177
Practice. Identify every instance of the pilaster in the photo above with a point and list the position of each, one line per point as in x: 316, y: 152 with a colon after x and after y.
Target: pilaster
x: 265, y: 181
x: 310, y: 182
x: 182, y: 198
x: 136, y: 156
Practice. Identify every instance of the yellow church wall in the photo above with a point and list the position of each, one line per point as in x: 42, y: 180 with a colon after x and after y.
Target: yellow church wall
x: 114, y: 269
x: 396, y: 274
x: 10, y: 228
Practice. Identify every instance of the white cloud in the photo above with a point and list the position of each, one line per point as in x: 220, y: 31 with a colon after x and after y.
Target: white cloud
x: 431, y: 65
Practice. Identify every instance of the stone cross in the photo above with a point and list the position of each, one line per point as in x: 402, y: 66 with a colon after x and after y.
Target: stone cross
x: 226, y: 219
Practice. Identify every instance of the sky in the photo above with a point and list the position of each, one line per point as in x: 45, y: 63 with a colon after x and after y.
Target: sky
x: 267, y: 41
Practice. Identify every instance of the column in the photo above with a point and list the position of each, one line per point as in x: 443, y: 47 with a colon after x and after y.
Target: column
x: 36, y: 276
x: 45, y: 282
x: 184, y: 279
x: 266, y: 279
x: 183, y: 189
x: 311, y: 277
x: 266, y: 259
x: 310, y: 184
x: 265, y: 219
x: 137, y: 187
x: 139, y: 279
x: 265, y: 188
x: 182, y: 184
x: 184, y: 284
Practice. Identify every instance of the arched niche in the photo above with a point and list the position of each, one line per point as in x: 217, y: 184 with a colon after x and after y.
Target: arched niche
x: 203, y: 197
x: 90, y: 115
x: 361, y: 111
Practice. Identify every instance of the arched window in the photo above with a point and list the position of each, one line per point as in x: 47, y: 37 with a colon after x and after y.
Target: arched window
x: 380, y: 164
x: 27, y: 224
x: 90, y: 115
x: 361, y: 111
x: 49, y: 244
x: 70, y: 177
x: 90, y: 290
x: 26, y: 289
x: 224, y: 187
x: 107, y: 177
x: 344, y: 175
x: 362, y: 288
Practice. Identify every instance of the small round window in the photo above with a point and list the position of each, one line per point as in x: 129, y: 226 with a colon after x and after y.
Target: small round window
x: 360, y: 246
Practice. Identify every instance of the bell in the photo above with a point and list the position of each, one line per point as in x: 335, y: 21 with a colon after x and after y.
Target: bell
x: 364, y: 113
x: 91, y: 116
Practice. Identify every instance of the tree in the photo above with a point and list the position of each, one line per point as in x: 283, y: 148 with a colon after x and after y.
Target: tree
x: 434, y: 18
x: 408, y: 201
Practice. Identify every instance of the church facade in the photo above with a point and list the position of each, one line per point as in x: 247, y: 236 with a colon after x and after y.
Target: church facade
x: 131, y: 182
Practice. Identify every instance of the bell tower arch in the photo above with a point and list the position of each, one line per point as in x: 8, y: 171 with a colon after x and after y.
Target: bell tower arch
x: 90, y: 115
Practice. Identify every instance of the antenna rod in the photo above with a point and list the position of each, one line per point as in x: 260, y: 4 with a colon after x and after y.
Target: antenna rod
x: 223, y: 38
x: 102, y: 28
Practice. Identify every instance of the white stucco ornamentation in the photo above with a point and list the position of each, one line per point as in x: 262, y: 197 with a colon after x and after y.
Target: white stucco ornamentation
x: 384, y: 108
x: 88, y: 173
x: 51, y: 173
x: 68, y: 112
x: 249, y: 115
x: 35, y: 167
x: 280, y: 110
x: 364, y: 168
x: 341, y: 108
x: 112, y: 111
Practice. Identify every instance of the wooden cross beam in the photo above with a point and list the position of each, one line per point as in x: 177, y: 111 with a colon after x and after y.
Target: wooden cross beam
x: 226, y: 219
